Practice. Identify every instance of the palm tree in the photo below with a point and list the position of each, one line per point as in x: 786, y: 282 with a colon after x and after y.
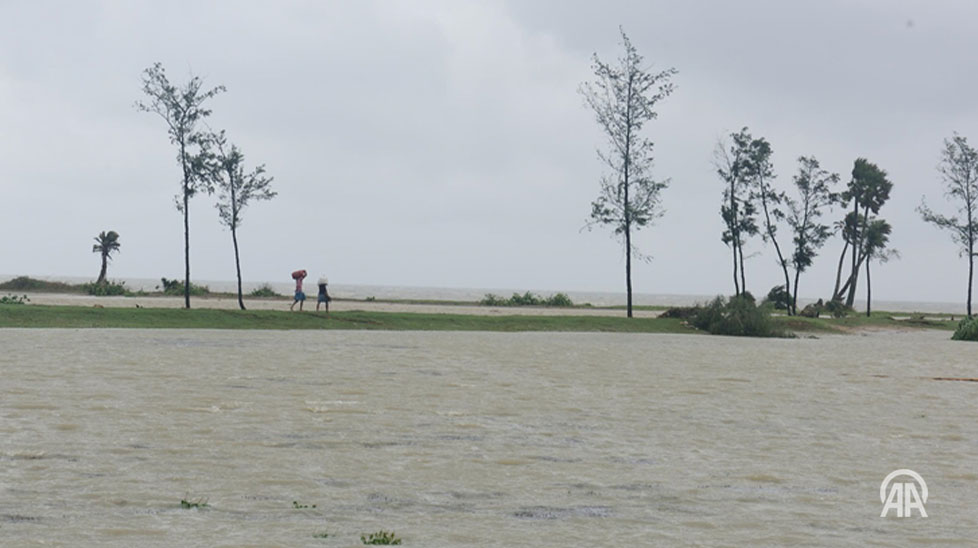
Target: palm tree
x: 106, y: 244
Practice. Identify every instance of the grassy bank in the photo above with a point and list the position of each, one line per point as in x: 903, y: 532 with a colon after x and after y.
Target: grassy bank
x: 205, y: 318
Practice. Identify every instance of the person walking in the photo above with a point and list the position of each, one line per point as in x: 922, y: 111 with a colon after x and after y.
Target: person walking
x: 300, y: 297
x: 323, y: 298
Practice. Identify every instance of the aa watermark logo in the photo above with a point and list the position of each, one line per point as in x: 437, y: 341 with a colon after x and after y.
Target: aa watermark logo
x: 903, y: 496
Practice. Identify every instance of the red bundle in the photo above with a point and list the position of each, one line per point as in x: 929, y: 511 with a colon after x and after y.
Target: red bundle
x: 298, y: 274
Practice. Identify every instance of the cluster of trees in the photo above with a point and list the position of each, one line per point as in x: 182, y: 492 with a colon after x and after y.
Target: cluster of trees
x: 207, y: 160
x: 623, y: 96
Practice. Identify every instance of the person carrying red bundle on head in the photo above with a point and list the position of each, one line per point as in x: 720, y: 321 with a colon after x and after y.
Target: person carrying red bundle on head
x: 300, y: 297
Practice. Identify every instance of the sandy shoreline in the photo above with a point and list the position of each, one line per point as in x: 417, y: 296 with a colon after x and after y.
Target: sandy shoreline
x: 231, y: 303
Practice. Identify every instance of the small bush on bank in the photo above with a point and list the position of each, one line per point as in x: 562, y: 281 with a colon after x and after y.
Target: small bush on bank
x: 967, y: 330
x: 14, y: 299
x: 105, y: 289
x: 778, y: 297
x: 738, y: 316
x: 175, y: 288
x: 264, y: 291
x: 527, y: 299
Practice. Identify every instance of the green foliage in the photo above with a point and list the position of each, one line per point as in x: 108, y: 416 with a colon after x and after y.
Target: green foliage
x: 323, y: 534
x: 175, y: 287
x: 106, y: 289
x: 264, y: 291
x: 380, y: 538
x: 967, y: 330
x: 296, y: 505
x: 527, y: 299
x: 14, y: 299
x: 26, y: 283
x: 186, y: 503
x: 739, y: 316
x: 838, y: 309
x: 371, y: 299
x: 778, y: 297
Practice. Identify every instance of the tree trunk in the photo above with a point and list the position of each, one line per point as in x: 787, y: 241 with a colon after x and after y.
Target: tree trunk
x: 851, y: 298
x: 237, y: 266
x: 869, y: 290
x: 777, y: 248
x: 736, y: 280
x: 838, y: 273
x: 186, y: 249
x: 101, y: 274
x: 971, y: 274
x: 794, y: 296
x: 743, y: 281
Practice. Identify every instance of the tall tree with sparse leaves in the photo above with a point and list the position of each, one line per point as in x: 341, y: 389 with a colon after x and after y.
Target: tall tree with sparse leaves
x: 959, y: 171
x: 815, y: 196
x: 760, y: 173
x: 623, y: 96
x: 106, y: 243
x: 182, y: 108
x: 236, y: 189
x: 738, y: 209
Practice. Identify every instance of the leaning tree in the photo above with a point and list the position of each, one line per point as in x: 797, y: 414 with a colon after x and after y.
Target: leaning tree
x: 623, y: 96
x: 182, y: 108
x: 236, y: 189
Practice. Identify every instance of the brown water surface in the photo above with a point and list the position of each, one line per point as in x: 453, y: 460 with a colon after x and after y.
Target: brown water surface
x: 480, y: 439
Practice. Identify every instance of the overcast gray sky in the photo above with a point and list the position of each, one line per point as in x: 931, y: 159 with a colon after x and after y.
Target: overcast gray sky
x: 444, y: 143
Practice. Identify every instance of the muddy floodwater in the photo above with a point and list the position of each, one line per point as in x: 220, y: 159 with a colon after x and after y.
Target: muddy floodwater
x: 481, y: 439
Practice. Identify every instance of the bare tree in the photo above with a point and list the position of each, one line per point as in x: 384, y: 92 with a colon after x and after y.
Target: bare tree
x: 959, y: 171
x: 182, y: 108
x: 236, y: 189
x: 622, y: 97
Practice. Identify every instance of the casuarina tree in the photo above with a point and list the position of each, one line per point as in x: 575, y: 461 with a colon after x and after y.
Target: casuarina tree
x: 739, y: 213
x: 959, y: 171
x: 182, y: 108
x: 106, y: 243
x: 623, y: 96
x: 815, y: 195
x: 236, y: 189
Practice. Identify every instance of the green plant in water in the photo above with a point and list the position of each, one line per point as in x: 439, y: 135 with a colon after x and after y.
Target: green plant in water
x: 190, y: 504
x: 324, y: 534
x: 380, y: 538
x: 14, y: 299
x: 295, y: 504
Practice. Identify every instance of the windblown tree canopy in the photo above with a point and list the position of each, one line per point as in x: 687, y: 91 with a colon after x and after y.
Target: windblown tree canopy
x: 738, y: 209
x: 623, y: 96
x: 815, y: 195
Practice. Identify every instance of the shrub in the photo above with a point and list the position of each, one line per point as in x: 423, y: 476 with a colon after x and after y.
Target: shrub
x: 778, y: 297
x: 838, y: 309
x: 105, y: 289
x: 493, y: 300
x: 738, y: 316
x: 560, y: 299
x: 26, y: 283
x: 264, y: 291
x: 175, y: 287
x: 14, y: 299
x: 526, y: 299
x: 380, y: 538
x: 680, y: 312
x: 967, y: 330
